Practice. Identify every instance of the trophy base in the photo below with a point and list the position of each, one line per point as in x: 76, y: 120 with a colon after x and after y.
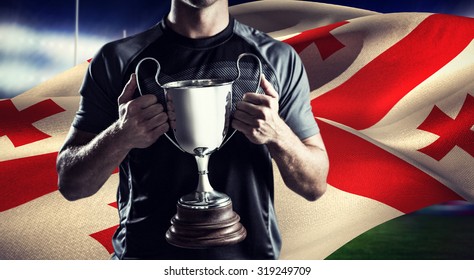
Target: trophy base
x: 205, y: 228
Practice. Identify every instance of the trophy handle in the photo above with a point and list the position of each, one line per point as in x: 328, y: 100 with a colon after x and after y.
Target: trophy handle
x: 158, y: 66
x: 260, y: 72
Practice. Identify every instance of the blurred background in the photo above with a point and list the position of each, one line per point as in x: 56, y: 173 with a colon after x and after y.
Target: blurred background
x: 40, y: 38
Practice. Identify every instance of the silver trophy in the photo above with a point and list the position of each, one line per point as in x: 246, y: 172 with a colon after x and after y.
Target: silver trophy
x: 199, y: 112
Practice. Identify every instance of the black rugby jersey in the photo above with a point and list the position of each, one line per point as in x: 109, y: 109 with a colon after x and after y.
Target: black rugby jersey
x: 153, y: 179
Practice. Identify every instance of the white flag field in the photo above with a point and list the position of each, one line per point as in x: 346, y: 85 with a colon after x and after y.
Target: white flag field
x: 393, y: 95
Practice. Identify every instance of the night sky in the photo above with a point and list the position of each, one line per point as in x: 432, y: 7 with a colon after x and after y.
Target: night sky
x: 106, y: 17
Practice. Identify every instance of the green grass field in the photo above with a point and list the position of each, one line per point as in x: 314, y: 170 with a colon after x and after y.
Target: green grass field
x: 418, y: 236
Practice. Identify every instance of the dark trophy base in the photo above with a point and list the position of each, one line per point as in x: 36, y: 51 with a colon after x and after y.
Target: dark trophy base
x: 205, y: 228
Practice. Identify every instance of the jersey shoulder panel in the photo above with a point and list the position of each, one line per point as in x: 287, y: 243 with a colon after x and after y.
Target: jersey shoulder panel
x: 276, y: 54
x: 121, y: 52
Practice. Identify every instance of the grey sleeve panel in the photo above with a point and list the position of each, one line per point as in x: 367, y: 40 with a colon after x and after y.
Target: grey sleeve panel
x: 104, y: 81
x: 295, y: 106
x: 292, y: 82
x: 98, y: 108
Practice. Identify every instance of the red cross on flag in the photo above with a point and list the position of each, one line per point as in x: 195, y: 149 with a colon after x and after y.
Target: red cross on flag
x: 393, y: 95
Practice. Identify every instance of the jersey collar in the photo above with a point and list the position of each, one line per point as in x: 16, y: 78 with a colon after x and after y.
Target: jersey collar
x: 208, y: 42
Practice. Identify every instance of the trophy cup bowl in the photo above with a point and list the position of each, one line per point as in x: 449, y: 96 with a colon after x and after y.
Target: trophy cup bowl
x: 199, y: 113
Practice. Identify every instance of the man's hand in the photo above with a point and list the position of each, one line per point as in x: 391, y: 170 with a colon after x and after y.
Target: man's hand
x: 303, y: 164
x: 142, y: 120
x: 257, y: 117
x: 86, y: 160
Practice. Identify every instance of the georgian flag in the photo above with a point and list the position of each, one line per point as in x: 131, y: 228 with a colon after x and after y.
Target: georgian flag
x: 393, y: 95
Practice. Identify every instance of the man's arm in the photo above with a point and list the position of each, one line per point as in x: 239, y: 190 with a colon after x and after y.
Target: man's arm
x: 303, y: 164
x: 86, y: 160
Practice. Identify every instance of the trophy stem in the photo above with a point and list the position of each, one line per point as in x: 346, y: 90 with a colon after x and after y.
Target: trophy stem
x: 204, y: 185
x: 204, y: 197
x: 205, y: 218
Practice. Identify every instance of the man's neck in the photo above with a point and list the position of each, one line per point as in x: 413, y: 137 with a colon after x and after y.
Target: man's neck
x: 198, y: 23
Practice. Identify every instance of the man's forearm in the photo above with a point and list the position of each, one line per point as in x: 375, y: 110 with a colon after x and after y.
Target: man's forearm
x: 83, y: 169
x: 303, y: 166
x: 86, y: 160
